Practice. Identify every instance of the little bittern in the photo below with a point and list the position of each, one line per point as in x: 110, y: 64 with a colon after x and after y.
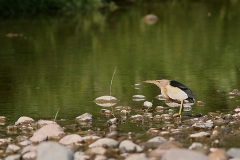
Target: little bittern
x: 174, y: 90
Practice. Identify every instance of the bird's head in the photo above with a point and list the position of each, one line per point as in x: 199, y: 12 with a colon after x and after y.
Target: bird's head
x: 159, y: 83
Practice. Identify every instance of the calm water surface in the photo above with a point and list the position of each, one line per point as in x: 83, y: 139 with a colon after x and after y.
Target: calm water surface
x: 66, y: 62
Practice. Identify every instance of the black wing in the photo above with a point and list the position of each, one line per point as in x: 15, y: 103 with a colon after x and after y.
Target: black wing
x: 190, y: 94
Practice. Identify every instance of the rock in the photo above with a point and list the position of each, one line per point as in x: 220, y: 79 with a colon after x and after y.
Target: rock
x: 147, y: 104
x: 29, y: 155
x: 12, y: 148
x: 81, y: 156
x: 138, y: 98
x: 163, y: 147
x: 104, y: 142
x: 136, y: 156
x: 234, y: 153
x: 24, y: 120
x: 183, y: 154
x: 196, y: 146
x: 208, y: 124
x: 106, y: 101
x: 13, y: 157
x: 100, y: 157
x: 199, y: 135
x: 86, y: 117
x: 90, y: 138
x: 52, y: 150
x: 71, y: 139
x: 25, y: 143
x: 150, y: 19
x: 154, y: 142
x: 129, y: 146
x: 3, y: 120
x: 42, y: 123
x: 137, y: 118
x: 96, y: 151
x: 48, y: 131
x: 218, y: 154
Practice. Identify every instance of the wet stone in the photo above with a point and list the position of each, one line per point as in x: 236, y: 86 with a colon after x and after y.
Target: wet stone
x: 3, y: 120
x: 147, y: 104
x: 138, y: 98
x: 137, y: 118
x: 86, y: 117
x: 42, y: 123
x: 159, y: 108
x: 24, y: 120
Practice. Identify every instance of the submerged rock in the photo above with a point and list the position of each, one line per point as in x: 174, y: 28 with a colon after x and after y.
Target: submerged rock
x: 3, y: 120
x: 53, y: 150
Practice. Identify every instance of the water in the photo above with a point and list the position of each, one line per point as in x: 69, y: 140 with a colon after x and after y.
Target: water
x: 65, y: 62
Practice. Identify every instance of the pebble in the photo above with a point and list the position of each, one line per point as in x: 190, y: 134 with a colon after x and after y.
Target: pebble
x: 129, y: 146
x: 104, y: 142
x: 71, y: 139
x: 24, y: 120
x: 86, y: 117
x: 81, y: 156
x: 199, y: 135
x: 3, y: 120
x: 183, y: 154
x: 52, y: 150
x: 96, y: 151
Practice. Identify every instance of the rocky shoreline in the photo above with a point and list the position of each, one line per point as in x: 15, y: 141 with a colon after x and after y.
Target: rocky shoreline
x: 45, y: 139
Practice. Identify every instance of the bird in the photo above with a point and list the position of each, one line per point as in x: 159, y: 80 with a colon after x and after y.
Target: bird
x: 174, y: 90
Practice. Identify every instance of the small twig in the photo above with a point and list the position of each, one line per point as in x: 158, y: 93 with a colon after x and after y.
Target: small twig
x: 111, y: 91
x: 56, y: 115
x: 112, y: 81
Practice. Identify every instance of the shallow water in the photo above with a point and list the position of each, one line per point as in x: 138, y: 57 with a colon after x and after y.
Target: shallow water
x: 65, y: 62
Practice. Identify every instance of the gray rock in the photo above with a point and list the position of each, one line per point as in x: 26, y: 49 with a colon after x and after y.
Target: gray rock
x: 129, y: 146
x: 183, y: 154
x: 48, y: 131
x: 13, y: 157
x: 104, y: 142
x: 71, y: 139
x: 81, y: 156
x: 52, y: 150
x: 12, y: 148
x: 234, y: 153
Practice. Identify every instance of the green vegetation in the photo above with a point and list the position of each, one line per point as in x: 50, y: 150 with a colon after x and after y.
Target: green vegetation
x: 46, y: 6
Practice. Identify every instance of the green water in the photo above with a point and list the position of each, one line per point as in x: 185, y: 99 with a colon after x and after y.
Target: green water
x: 66, y: 62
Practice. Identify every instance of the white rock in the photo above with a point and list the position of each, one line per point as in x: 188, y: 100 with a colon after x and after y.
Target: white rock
x: 81, y: 156
x: 24, y: 119
x: 136, y: 156
x: 129, y: 146
x: 13, y: 157
x: 48, y: 131
x: 71, y: 139
x: 157, y: 139
x: 147, y: 104
x: 42, y: 123
x: 104, y: 142
x: 86, y: 117
x: 199, y: 135
x: 12, y: 148
x: 183, y: 154
x: 53, y: 151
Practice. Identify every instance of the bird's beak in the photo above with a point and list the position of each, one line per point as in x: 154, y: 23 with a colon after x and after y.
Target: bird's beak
x: 150, y: 81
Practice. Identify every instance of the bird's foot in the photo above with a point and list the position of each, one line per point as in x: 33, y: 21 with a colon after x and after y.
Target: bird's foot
x: 177, y: 115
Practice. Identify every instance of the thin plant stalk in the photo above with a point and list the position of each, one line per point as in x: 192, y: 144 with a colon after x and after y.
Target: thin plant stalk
x: 56, y: 115
x: 111, y: 90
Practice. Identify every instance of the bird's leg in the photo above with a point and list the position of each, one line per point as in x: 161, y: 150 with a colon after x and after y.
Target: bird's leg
x: 180, y: 111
